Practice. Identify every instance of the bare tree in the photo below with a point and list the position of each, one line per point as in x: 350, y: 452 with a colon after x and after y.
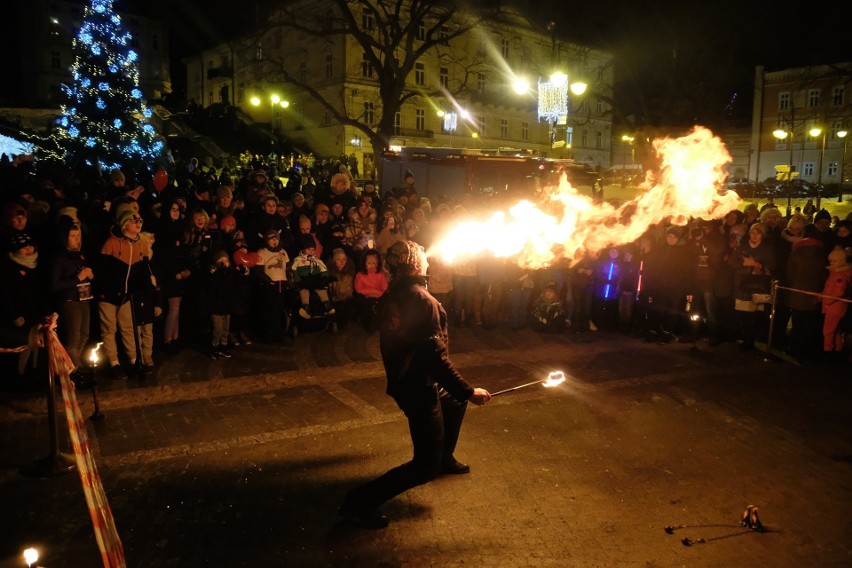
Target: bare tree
x: 394, y: 35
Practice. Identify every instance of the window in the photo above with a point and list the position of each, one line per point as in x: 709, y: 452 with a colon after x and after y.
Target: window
x: 369, y: 113
x: 599, y: 108
x: 569, y: 136
x: 784, y: 100
x: 837, y: 96
x: 600, y: 74
x: 421, y: 31
x: 504, y: 48
x: 808, y: 169
x: 55, y: 59
x: 258, y: 51
x: 397, y: 123
x: 420, y: 119
x: 366, y: 66
x: 525, y: 131
x: 445, y: 77
x: 241, y: 92
x: 504, y: 128
x: 599, y: 140
x: 813, y: 98
x: 480, y: 123
x: 420, y: 73
x: 480, y: 82
x: 832, y: 169
x: 368, y: 22
x: 443, y: 34
x: 584, y: 138
x: 326, y: 119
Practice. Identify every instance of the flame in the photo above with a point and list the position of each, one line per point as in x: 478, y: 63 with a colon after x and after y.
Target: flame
x: 553, y: 379
x: 566, y: 224
x: 93, y: 354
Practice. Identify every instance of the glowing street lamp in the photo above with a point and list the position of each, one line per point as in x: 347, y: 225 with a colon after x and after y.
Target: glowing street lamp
x: 814, y: 132
x: 521, y: 86
x: 842, y: 134
x: 30, y: 556
x: 782, y: 134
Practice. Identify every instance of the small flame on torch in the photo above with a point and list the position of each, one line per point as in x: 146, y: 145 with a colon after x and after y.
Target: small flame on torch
x: 30, y: 556
x: 555, y: 378
x: 93, y: 354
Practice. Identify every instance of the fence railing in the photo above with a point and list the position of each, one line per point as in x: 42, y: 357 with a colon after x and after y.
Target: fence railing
x: 774, y: 301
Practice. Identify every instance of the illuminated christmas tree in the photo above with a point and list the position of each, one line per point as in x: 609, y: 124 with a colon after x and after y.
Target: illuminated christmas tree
x: 105, y: 118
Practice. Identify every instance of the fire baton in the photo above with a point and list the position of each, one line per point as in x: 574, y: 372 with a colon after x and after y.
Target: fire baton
x: 553, y: 379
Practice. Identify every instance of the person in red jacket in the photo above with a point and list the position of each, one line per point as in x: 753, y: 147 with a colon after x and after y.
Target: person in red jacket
x: 837, y: 285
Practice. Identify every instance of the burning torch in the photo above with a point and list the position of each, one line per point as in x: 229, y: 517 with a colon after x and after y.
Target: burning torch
x: 94, y: 359
x: 553, y: 379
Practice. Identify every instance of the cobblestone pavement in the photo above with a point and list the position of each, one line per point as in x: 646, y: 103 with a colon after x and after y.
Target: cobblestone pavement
x: 243, y: 462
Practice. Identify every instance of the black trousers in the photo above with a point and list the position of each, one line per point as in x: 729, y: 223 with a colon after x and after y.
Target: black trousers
x: 434, y: 424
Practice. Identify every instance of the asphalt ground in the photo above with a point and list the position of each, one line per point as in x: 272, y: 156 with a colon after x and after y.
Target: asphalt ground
x: 243, y: 462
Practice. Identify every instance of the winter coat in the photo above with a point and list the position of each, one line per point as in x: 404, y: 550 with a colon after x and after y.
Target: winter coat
x: 805, y: 271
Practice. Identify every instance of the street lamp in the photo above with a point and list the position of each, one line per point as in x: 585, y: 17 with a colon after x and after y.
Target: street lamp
x: 781, y: 135
x: 814, y: 132
x: 627, y: 139
x: 842, y: 134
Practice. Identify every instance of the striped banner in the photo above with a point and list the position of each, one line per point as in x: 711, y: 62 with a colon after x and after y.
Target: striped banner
x: 112, y: 553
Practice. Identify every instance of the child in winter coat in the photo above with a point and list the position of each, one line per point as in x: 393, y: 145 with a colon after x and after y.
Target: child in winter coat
x: 838, y: 284
x: 311, y: 274
x: 548, y: 315
x: 222, y: 291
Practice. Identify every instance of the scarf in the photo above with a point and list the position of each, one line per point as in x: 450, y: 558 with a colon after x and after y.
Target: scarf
x: 26, y: 261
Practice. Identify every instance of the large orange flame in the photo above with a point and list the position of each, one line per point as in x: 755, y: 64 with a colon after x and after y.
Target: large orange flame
x: 687, y: 185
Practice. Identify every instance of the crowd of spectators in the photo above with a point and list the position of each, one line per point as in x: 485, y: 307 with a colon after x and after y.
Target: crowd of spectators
x: 187, y: 256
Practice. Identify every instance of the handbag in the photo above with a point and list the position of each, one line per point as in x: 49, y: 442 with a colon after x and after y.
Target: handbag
x: 759, y: 286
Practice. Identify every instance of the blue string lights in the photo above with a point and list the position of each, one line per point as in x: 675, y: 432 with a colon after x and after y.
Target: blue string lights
x: 105, y: 115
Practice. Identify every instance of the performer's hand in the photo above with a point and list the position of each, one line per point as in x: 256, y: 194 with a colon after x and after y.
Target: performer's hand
x: 480, y: 396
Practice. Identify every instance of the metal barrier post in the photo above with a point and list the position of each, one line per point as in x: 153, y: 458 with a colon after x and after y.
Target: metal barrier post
x: 55, y: 463
x: 774, y: 294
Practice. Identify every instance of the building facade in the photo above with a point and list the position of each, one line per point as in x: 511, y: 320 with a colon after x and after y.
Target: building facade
x: 464, y: 90
x: 799, y: 119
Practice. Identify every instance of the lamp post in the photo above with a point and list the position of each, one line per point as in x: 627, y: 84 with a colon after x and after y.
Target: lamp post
x: 814, y: 132
x: 781, y: 135
x: 842, y: 134
x: 627, y: 139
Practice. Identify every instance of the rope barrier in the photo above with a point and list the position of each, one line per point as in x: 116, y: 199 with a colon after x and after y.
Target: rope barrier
x: 109, y: 543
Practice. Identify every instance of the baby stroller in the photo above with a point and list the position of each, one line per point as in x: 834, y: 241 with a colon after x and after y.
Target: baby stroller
x: 319, y: 319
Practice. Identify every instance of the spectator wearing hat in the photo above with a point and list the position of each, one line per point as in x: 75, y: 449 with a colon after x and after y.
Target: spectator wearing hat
x: 15, y: 219
x: 753, y: 257
x: 310, y: 274
x: 265, y: 219
x: 361, y: 227
x: 338, y: 189
x: 836, y: 289
x: 224, y: 205
x: 300, y: 208
x: 222, y: 286
x: 124, y: 270
x: 271, y: 276
x: 822, y: 229
x: 71, y: 278
x: 24, y: 289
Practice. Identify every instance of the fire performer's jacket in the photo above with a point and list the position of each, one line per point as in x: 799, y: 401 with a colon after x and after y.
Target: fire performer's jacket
x: 414, y: 345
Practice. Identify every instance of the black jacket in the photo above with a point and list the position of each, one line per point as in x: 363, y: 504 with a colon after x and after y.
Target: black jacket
x: 414, y: 350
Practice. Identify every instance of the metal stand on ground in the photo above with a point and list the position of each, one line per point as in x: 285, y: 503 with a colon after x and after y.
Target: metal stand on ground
x: 56, y: 463
x: 96, y: 414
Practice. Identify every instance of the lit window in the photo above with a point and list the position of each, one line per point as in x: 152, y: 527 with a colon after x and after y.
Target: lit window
x: 420, y: 73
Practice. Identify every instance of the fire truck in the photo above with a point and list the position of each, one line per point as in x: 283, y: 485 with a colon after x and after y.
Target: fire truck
x: 454, y: 172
